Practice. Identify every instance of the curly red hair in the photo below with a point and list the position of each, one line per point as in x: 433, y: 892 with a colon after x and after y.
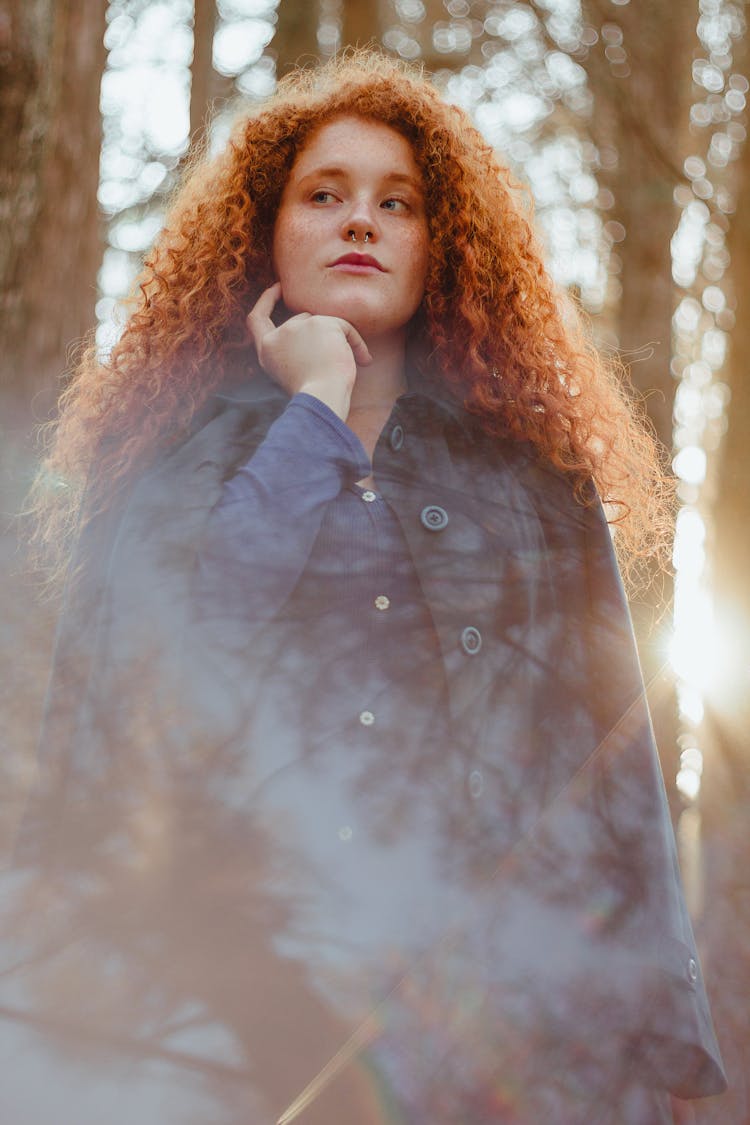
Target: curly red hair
x: 492, y: 326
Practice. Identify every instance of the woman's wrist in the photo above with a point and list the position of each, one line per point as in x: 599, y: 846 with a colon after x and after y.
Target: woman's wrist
x: 335, y: 394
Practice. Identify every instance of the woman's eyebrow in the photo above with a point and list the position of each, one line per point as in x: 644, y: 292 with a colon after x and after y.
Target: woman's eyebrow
x: 335, y: 170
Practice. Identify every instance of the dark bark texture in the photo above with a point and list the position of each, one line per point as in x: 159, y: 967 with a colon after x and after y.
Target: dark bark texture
x: 361, y: 24
x: 201, y: 68
x: 51, y: 59
x: 641, y: 107
x: 296, y: 38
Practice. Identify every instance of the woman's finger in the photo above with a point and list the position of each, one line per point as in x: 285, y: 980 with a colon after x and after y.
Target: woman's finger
x: 360, y: 351
x: 259, y: 318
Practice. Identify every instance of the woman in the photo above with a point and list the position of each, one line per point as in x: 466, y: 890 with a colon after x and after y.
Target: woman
x: 350, y: 809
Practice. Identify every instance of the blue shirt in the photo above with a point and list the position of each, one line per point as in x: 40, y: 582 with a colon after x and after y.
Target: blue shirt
x: 250, y: 867
x: 317, y: 574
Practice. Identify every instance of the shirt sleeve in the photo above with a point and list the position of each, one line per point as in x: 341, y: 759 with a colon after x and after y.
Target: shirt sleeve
x: 259, y: 536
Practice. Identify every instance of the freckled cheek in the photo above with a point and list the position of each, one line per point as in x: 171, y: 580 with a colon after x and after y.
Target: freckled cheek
x: 292, y: 253
x: 416, y: 251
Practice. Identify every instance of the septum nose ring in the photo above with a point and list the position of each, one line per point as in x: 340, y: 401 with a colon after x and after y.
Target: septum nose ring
x: 353, y: 236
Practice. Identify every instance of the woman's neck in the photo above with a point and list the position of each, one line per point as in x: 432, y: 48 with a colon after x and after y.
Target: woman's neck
x: 376, y: 389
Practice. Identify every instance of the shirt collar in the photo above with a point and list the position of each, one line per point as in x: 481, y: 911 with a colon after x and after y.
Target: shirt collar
x: 260, y: 388
x: 251, y: 392
x: 436, y: 394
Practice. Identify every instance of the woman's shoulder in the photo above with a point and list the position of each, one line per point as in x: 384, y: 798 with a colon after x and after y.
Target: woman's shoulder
x: 546, y: 483
x: 233, y: 419
x: 184, y: 479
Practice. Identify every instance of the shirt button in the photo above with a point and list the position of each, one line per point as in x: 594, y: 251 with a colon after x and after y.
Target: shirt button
x: 382, y: 602
x: 368, y: 496
x: 366, y: 718
x: 434, y: 518
x: 397, y: 438
x: 476, y: 784
x: 471, y: 640
x: 692, y: 969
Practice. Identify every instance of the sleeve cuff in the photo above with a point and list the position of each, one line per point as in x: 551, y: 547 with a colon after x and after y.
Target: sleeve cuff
x: 342, y: 442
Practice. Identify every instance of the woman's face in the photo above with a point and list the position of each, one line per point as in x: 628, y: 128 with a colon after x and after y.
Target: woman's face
x: 351, y: 237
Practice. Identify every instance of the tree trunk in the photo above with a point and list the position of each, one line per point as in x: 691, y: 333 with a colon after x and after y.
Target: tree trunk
x: 50, y: 134
x: 201, y: 68
x: 731, y: 555
x: 51, y: 61
x: 725, y: 794
x: 641, y: 109
x: 296, y: 38
x: 361, y: 23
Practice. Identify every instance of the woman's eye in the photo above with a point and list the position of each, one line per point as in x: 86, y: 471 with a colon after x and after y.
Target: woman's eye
x: 322, y: 196
x: 394, y: 205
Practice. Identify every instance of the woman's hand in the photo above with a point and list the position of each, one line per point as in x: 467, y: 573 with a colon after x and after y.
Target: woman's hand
x: 315, y: 354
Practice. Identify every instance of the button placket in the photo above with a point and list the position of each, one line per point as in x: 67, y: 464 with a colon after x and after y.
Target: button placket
x: 379, y: 601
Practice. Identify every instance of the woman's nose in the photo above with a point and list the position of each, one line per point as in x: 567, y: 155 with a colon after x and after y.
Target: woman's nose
x: 360, y: 225
x: 365, y: 236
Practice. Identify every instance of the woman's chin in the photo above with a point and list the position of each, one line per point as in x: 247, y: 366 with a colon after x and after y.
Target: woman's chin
x: 371, y: 323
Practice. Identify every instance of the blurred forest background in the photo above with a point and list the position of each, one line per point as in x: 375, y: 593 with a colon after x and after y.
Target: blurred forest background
x: 627, y: 119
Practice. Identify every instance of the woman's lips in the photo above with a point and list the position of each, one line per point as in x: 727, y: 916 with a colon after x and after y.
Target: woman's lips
x: 357, y: 263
